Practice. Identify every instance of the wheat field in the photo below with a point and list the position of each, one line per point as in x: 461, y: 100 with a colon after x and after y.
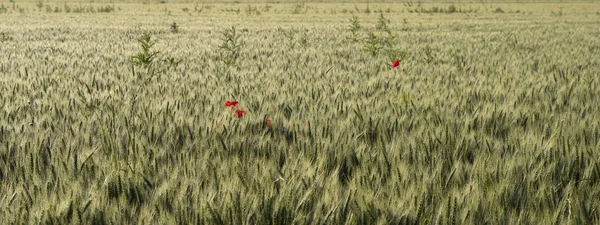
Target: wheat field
x: 114, y: 113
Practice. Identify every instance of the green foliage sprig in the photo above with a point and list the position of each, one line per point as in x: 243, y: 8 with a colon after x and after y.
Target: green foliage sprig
x: 231, y: 45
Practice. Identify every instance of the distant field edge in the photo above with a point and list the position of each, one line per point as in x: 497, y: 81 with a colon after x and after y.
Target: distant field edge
x: 308, y: 1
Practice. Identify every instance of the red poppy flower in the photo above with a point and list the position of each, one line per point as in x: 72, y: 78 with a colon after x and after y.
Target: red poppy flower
x: 228, y: 103
x: 396, y: 63
x: 239, y: 113
x: 268, y: 123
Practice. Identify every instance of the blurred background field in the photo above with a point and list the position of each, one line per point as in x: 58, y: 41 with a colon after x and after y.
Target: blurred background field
x: 492, y: 116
